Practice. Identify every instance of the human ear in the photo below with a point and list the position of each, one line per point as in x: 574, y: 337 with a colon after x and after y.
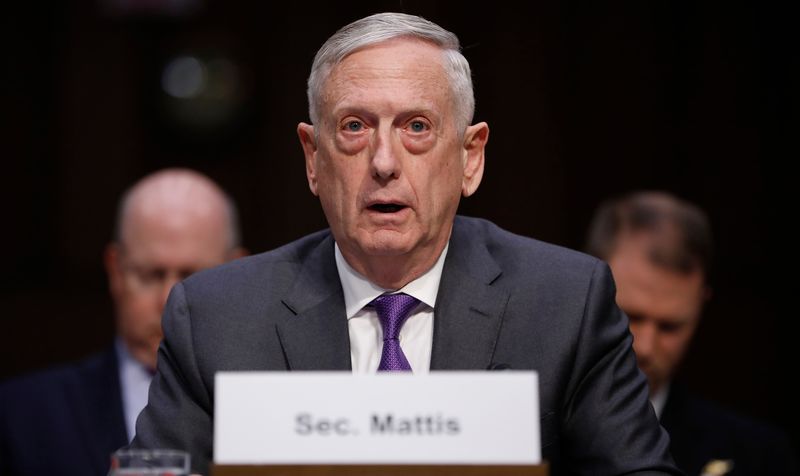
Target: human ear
x: 111, y: 258
x: 475, y: 139
x: 306, y: 134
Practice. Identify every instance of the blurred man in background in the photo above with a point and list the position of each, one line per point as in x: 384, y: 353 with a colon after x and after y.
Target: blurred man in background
x: 68, y: 420
x: 660, y: 249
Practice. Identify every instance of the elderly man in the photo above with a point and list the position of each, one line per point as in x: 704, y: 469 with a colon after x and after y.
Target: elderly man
x: 659, y: 249
x: 69, y: 419
x: 389, y: 154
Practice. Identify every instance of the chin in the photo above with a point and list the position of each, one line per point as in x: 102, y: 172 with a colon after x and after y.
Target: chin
x: 385, y: 249
x: 385, y: 243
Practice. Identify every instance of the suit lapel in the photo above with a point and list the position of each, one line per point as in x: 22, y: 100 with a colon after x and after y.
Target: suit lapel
x: 315, y: 336
x: 469, y: 311
x: 467, y: 320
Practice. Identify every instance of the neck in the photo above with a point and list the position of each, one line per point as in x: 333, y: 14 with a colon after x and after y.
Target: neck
x: 394, y: 271
x: 142, y: 354
x: 655, y: 387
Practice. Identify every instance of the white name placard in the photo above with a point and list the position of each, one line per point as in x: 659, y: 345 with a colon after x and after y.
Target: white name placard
x: 341, y: 418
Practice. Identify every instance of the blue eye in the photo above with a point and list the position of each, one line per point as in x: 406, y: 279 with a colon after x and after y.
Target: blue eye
x: 354, y: 126
x: 418, y: 126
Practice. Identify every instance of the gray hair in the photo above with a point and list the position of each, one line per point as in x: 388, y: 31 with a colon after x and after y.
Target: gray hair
x: 379, y: 28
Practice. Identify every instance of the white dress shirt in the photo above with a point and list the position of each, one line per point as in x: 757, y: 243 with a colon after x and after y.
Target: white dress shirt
x: 134, y: 379
x: 366, y: 333
x: 659, y: 399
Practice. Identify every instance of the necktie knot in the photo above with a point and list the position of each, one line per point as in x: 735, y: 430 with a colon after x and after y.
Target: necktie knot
x: 393, y: 310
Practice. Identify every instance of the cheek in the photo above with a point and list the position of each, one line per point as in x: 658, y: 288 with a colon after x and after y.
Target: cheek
x: 335, y: 180
x: 140, y: 311
x: 672, y: 346
x: 635, y: 331
x: 445, y: 185
x: 337, y: 171
x: 439, y: 175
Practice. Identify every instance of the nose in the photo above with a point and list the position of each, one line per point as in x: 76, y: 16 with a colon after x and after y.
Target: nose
x: 643, y: 341
x: 385, y: 163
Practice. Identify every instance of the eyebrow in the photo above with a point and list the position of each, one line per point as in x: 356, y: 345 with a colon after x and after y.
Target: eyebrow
x: 345, y: 111
x: 342, y: 112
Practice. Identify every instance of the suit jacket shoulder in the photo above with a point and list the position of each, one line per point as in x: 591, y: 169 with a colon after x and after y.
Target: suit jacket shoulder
x: 253, y: 303
x: 523, y: 260
x: 71, y: 413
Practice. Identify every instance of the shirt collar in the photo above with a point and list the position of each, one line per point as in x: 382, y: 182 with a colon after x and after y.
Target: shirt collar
x: 128, y: 365
x: 659, y: 399
x: 359, y: 291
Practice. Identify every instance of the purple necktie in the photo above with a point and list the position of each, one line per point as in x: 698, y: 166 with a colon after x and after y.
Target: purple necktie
x: 393, y: 310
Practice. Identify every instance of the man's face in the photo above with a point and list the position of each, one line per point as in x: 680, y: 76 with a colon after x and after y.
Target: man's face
x: 389, y: 164
x: 663, y: 307
x: 157, y: 252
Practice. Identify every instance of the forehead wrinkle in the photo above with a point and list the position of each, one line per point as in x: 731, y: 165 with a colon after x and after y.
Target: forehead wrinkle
x: 351, y: 94
x: 420, y: 80
x: 396, y: 70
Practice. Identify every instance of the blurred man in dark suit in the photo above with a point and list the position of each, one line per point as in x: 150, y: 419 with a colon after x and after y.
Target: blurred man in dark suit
x: 67, y: 420
x: 391, y: 151
x: 659, y: 249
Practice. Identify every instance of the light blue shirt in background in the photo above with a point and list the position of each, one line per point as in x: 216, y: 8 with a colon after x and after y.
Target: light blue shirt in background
x: 134, y: 379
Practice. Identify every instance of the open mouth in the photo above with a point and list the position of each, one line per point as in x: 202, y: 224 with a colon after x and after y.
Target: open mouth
x: 386, y: 207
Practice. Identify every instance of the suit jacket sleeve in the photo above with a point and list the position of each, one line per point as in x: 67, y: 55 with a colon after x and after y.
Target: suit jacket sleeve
x: 608, y: 421
x: 179, y: 412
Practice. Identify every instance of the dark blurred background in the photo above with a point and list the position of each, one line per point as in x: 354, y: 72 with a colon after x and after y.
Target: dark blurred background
x: 585, y: 100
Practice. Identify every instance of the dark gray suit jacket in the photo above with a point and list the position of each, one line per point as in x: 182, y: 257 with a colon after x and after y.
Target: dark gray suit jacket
x: 63, y: 421
x: 702, y: 431
x: 504, y: 300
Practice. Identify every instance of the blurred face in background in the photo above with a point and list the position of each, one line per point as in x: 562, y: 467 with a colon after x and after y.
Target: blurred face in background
x: 663, y: 306
x: 162, y: 242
